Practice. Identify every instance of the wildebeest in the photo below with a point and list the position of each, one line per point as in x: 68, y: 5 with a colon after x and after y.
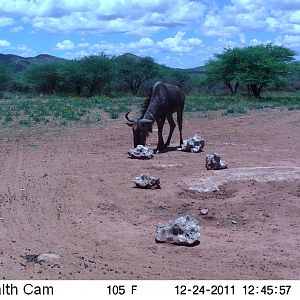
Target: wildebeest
x: 165, y: 99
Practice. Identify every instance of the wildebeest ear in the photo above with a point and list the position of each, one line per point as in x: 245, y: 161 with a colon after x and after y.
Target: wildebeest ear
x: 129, y: 124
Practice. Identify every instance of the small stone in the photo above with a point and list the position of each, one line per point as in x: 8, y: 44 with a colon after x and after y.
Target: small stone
x: 140, y: 152
x: 213, y: 161
x: 195, y: 144
x: 234, y: 222
x: 204, y: 211
x: 146, y: 181
x: 47, y: 256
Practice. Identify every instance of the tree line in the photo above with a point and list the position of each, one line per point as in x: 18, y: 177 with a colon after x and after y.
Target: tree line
x: 251, y: 68
x: 91, y: 75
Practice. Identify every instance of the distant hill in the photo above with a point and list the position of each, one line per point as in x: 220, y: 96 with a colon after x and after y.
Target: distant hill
x: 18, y: 63
x: 130, y: 55
x: 197, y: 70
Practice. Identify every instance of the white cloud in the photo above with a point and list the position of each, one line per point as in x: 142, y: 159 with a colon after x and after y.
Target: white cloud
x: 17, y: 29
x: 4, y: 43
x: 65, y: 45
x: 178, y: 44
x: 5, y: 21
x: 139, y: 17
x: 286, y: 5
x: 214, y: 26
x: 242, y: 38
x: 291, y: 41
x: 83, y: 45
x: 295, y: 17
x: 253, y: 15
x: 24, y: 50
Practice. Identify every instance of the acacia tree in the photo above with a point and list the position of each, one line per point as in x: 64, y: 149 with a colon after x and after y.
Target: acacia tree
x: 255, y: 66
x: 43, y: 78
x: 224, y: 68
x: 72, y: 76
x: 264, y: 64
x: 97, y: 71
x: 133, y: 72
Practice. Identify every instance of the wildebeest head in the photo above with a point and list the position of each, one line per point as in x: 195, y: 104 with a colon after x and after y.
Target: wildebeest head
x: 140, y: 128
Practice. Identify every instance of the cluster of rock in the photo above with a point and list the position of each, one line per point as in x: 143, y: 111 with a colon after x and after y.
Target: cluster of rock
x: 213, y: 161
x: 182, y: 231
x: 140, y: 152
x: 147, y: 181
x: 195, y: 144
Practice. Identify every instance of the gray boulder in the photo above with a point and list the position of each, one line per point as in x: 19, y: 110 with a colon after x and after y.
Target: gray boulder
x: 213, y: 161
x: 182, y: 231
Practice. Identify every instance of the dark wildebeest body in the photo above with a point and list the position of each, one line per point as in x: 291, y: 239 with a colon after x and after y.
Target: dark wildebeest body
x: 165, y: 100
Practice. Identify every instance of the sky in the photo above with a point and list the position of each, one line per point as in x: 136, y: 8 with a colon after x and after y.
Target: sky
x: 177, y: 33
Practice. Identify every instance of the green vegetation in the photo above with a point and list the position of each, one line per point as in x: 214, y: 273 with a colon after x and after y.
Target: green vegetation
x: 248, y: 70
x: 133, y: 72
x: 27, y: 111
x: 254, y: 66
x: 49, y: 90
x: 89, y: 76
x: 4, y: 77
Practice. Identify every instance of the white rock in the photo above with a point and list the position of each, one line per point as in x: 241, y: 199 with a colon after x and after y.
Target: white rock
x: 213, y: 161
x: 195, y: 144
x: 184, y: 231
x: 147, y: 181
x: 140, y: 152
x: 48, y: 256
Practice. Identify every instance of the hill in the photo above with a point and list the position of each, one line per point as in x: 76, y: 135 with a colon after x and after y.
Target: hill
x: 18, y: 63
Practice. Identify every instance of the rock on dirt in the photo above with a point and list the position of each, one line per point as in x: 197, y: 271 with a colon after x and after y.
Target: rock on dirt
x: 213, y: 161
x: 146, y: 181
x: 48, y: 256
x: 195, y: 144
x: 39, y: 258
x: 182, y: 231
x: 140, y: 152
x: 204, y: 211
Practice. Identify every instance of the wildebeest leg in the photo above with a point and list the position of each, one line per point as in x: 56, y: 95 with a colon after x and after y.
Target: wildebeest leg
x: 179, y: 121
x: 172, y: 127
x: 160, y: 125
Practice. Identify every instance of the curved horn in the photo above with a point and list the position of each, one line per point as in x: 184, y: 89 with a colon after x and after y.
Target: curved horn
x: 126, y: 116
x: 146, y: 121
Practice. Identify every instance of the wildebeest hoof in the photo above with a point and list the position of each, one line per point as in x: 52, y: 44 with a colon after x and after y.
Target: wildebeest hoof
x: 160, y: 150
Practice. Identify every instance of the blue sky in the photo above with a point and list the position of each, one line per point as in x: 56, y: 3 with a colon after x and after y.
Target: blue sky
x: 178, y: 33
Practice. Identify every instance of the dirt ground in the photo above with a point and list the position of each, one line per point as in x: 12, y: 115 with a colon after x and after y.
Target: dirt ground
x: 70, y: 192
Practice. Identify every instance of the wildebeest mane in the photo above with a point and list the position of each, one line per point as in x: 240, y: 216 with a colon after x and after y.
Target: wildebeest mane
x: 145, y: 105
